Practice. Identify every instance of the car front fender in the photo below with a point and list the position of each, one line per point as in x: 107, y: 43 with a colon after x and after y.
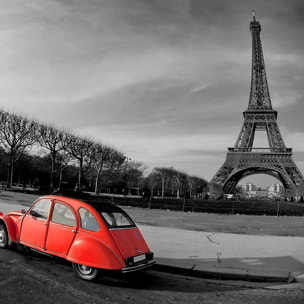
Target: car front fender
x: 94, y: 253
x: 10, y: 226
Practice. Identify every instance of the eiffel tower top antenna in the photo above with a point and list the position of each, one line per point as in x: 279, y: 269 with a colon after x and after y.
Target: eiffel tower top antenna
x: 254, y: 23
x: 259, y: 92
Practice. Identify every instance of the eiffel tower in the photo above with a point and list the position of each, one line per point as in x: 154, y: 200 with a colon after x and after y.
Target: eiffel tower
x: 243, y: 160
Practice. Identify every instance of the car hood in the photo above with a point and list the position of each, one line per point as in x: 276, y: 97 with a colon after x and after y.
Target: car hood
x: 130, y: 241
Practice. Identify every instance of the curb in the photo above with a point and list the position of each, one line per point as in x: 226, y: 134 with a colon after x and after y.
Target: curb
x: 299, y: 277
x: 225, y: 273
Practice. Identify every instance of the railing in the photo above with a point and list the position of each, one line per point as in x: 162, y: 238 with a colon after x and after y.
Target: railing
x: 261, y: 150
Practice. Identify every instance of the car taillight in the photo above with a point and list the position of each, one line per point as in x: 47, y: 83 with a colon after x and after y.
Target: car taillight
x: 149, y: 255
x: 130, y: 261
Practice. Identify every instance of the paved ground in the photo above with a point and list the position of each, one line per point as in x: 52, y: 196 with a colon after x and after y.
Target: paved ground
x: 222, y: 255
x: 226, y: 255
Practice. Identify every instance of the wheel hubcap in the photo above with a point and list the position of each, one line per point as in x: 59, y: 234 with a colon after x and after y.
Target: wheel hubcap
x: 85, y: 269
x: 3, y: 237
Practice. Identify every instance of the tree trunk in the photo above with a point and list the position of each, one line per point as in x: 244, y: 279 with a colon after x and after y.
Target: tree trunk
x: 52, y: 175
x: 60, y: 176
x: 10, y: 170
x: 97, y: 181
x: 80, y: 175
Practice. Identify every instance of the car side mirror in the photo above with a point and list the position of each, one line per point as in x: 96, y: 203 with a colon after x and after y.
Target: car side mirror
x: 23, y: 211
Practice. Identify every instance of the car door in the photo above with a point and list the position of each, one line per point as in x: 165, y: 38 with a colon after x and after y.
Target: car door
x: 35, y: 224
x: 62, y: 229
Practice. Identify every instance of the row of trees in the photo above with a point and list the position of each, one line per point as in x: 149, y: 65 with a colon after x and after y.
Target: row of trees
x: 65, y: 155
x: 19, y: 134
x: 171, y: 182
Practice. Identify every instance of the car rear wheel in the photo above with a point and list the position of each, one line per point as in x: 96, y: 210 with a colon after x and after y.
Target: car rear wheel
x: 3, y: 236
x: 85, y: 272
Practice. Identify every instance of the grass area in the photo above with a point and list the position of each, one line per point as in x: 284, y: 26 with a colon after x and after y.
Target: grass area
x: 197, y: 221
x: 218, y: 206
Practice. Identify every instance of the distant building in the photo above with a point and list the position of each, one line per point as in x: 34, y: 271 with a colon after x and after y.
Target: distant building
x: 252, y: 191
x: 275, y: 190
x: 250, y: 187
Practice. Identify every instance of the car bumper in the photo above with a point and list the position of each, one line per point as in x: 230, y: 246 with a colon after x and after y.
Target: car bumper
x: 138, y: 266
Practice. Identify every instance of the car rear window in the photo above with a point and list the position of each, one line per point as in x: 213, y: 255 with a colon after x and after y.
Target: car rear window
x: 116, y: 219
x: 113, y: 216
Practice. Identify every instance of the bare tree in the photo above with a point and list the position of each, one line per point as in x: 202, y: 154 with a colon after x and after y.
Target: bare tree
x: 81, y: 149
x: 105, y: 159
x: 16, y: 135
x: 153, y: 181
x: 179, y: 182
x: 54, y: 141
x: 162, y: 176
x: 63, y: 160
x: 175, y: 181
x: 132, y: 173
x: 100, y: 159
x: 215, y: 190
x: 196, y: 186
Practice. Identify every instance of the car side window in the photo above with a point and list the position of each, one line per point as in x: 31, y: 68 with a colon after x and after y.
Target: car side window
x: 41, y: 209
x: 63, y: 215
x: 88, y: 220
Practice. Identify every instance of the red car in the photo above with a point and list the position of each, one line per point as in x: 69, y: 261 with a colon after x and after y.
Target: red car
x: 92, y: 236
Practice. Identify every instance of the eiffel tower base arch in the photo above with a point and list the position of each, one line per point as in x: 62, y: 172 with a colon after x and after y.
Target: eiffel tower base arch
x: 239, y: 164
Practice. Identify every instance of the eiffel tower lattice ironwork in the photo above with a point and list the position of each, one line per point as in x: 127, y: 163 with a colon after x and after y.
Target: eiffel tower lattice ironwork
x: 243, y: 160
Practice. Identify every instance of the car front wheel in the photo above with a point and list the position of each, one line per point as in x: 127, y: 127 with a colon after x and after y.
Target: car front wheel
x: 85, y: 272
x: 3, y: 236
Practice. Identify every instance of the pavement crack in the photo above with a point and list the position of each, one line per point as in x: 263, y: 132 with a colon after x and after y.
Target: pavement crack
x: 210, y: 239
x: 218, y: 253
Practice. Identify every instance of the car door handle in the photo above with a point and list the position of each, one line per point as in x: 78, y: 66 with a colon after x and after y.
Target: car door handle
x: 73, y: 231
x: 45, y: 223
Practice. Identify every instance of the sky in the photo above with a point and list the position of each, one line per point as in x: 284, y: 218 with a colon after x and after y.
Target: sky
x: 163, y: 81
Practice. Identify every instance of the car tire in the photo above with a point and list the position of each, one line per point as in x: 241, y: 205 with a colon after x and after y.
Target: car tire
x: 85, y: 272
x: 4, y: 239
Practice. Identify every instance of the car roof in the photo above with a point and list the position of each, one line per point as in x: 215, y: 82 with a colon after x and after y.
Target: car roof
x: 99, y: 206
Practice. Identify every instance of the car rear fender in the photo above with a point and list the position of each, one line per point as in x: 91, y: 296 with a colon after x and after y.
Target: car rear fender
x: 94, y: 253
x: 10, y: 226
